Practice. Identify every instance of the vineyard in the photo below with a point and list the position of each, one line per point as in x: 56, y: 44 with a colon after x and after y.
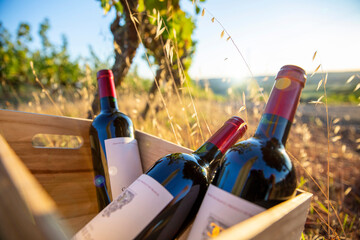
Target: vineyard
x: 324, y: 141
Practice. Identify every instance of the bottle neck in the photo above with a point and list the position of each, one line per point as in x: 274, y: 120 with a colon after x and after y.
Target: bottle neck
x: 108, y: 104
x: 221, y: 141
x: 273, y: 126
x: 107, y: 92
x: 207, y: 153
x: 280, y: 110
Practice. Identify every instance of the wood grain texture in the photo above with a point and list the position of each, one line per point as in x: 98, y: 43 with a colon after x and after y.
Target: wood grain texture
x: 283, y: 221
x: 152, y: 148
x: 26, y: 209
x: 19, y: 128
x: 65, y: 174
x: 74, y: 192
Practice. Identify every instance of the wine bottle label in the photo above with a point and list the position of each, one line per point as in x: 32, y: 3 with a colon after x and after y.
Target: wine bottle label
x: 123, y: 161
x: 129, y: 213
x: 220, y: 210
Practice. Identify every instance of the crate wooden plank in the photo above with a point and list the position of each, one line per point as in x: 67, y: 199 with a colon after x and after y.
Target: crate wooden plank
x: 26, y: 209
x: 283, y: 221
x: 152, y: 148
x: 74, y: 192
x: 66, y: 174
x: 43, y: 160
x: 11, y: 217
x: 19, y: 128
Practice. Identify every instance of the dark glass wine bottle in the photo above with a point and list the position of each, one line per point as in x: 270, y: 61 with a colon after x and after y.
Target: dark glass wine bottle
x: 114, y: 149
x: 257, y: 173
x: 161, y: 203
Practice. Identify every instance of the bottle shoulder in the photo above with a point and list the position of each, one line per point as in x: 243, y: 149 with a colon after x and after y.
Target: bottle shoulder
x: 112, y: 124
x: 106, y: 117
x: 267, y: 154
x: 111, y: 115
x: 177, y: 163
x: 257, y: 164
x: 254, y: 144
x: 178, y: 160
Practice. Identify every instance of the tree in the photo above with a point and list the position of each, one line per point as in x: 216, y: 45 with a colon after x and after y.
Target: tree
x: 52, y: 63
x: 14, y: 62
x: 164, y: 29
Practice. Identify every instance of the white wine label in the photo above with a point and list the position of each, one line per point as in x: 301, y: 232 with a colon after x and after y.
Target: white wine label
x: 220, y: 210
x: 129, y: 213
x: 124, y: 164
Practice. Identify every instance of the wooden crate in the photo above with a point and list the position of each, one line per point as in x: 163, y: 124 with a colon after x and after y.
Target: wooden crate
x: 53, y: 187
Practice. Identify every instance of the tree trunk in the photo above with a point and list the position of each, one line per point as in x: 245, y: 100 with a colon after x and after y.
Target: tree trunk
x: 126, y: 42
x: 152, y: 91
x: 165, y: 72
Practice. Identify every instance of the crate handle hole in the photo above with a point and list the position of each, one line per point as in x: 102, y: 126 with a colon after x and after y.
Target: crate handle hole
x: 55, y: 141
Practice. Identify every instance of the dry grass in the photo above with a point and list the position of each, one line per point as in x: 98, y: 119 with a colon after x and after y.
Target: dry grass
x: 308, y: 143
x: 324, y: 149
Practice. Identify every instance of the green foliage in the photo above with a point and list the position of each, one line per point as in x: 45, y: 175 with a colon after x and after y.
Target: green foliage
x: 14, y: 59
x: 200, y: 93
x: 44, y: 27
x: 179, y: 27
x: 52, y: 63
x: 175, y: 25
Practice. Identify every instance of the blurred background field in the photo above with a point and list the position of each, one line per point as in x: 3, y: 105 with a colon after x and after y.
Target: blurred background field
x: 324, y: 141
x: 194, y: 119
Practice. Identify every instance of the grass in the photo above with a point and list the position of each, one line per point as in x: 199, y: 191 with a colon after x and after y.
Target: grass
x: 197, y: 118
x: 325, y: 149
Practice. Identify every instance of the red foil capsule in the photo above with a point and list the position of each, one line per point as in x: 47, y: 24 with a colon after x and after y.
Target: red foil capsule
x: 289, y: 82
x: 106, y: 83
x: 232, y: 130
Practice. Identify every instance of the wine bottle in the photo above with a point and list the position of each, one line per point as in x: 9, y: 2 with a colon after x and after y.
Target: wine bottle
x: 257, y: 173
x: 161, y: 203
x: 114, y: 149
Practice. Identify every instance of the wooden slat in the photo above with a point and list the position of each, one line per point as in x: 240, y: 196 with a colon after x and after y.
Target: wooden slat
x: 74, y: 192
x: 284, y: 221
x: 26, y: 209
x: 19, y: 128
x: 66, y: 174
x: 12, y: 218
x: 152, y: 148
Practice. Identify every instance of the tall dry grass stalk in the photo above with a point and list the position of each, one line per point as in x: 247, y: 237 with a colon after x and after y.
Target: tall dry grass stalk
x: 307, y: 143
x: 188, y: 121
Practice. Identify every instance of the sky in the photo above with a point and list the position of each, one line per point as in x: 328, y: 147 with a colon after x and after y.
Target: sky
x: 267, y: 34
